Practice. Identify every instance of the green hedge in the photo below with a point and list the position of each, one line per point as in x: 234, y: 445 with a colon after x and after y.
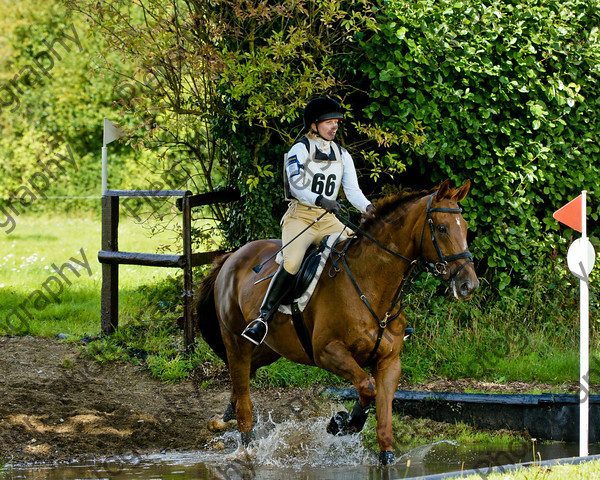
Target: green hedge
x: 507, y: 94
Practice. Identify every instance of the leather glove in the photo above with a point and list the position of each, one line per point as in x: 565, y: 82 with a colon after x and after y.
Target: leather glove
x: 330, y: 206
x: 370, y: 213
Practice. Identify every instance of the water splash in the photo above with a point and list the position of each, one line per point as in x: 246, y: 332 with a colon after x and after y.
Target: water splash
x: 299, y: 443
x: 419, y: 453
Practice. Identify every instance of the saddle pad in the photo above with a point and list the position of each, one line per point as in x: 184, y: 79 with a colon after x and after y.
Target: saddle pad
x: 303, y: 299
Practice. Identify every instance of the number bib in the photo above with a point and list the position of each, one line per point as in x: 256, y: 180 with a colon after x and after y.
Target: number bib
x: 321, y: 174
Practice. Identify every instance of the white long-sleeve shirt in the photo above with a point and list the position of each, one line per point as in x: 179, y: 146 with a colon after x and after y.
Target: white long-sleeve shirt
x: 324, y: 174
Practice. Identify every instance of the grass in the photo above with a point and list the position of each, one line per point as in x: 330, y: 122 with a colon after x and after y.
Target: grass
x: 583, y: 471
x: 36, y: 300
x: 529, y: 334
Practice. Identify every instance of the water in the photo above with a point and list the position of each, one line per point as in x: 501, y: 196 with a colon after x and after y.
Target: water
x: 296, y: 451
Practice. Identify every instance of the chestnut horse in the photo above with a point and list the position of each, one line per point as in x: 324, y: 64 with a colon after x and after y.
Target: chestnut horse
x: 355, y: 316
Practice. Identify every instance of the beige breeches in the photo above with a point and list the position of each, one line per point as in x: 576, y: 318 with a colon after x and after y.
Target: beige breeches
x: 296, y: 219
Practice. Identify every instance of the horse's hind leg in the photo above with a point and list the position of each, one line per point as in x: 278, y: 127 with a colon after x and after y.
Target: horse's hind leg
x: 239, y: 359
x: 229, y: 413
x: 261, y: 356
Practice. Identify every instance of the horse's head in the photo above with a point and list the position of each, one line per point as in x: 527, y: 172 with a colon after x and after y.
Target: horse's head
x: 437, y: 229
x: 443, y: 240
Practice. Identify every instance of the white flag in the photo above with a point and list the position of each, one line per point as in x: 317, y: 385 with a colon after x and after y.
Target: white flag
x: 111, y: 132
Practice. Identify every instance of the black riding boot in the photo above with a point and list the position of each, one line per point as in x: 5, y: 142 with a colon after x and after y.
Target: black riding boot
x: 257, y: 329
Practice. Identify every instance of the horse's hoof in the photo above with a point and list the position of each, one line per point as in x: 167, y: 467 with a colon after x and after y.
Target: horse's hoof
x: 247, y: 437
x: 216, y: 424
x: 229, y: 413
x: 338, y: 425
x: 386, y: 458
x: 358, y: 418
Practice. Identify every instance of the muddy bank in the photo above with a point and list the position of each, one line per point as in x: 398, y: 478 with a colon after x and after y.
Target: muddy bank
x: 56, y: 405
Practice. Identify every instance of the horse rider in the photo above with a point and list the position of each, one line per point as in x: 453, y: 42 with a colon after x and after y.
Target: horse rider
x: 315, y: 169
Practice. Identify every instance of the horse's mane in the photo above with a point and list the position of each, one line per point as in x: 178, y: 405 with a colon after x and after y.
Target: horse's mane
x: 390, y: 203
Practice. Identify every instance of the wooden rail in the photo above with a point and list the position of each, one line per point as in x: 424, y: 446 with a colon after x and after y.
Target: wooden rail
x: 111, y: 257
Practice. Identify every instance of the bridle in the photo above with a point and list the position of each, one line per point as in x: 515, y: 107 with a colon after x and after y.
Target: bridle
x: 439, y: 268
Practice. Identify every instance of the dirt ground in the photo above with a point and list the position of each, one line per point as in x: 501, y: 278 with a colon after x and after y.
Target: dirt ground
x: 56, y: 405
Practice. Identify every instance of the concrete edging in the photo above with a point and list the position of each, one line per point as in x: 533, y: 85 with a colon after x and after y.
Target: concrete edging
x: 545, y: 416
x: 484, y: 472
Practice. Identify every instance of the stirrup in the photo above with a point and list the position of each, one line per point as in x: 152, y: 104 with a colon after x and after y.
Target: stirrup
x: 253, y: 324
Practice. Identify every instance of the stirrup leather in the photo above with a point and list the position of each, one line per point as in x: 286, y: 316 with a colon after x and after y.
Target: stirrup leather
x: 253, y: 324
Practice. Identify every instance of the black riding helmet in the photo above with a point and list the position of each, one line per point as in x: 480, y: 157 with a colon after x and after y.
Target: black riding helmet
x: 321, y: 109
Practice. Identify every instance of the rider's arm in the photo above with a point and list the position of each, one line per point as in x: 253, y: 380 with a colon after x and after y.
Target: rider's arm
x: 350, y: 184
x: 298, y: 180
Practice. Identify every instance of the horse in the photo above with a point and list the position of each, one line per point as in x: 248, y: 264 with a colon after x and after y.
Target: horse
x: 355, y: 318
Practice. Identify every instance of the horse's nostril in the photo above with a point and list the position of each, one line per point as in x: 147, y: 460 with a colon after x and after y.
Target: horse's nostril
x: 468, y: 287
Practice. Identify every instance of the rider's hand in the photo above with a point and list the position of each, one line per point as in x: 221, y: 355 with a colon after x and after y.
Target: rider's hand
x: 330, y: 206
x: 369, y: 214
x: 370, y: 211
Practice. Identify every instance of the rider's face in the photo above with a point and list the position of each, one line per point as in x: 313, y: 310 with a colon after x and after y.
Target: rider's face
x: 328, y: 128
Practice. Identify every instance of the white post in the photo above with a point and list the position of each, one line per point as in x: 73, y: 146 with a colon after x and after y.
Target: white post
x: 104, y: 170
x: 584, y: 321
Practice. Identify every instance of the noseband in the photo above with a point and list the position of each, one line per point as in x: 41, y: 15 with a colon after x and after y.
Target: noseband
x: 441, y: 267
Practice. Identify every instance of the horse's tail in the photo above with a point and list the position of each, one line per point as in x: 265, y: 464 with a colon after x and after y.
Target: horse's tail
x: 206, y: 312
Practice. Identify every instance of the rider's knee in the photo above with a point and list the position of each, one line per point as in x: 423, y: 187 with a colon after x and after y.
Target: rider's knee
x: 291, y: 265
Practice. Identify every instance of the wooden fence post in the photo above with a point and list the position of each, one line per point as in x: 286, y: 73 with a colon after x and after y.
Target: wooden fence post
x: 109, y: 309
x: 188, y: 294
x: 111, y: 257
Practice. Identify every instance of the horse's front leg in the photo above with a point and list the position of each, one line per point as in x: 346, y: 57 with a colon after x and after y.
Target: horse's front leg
x: 387, y: 375
x: 336, y: 358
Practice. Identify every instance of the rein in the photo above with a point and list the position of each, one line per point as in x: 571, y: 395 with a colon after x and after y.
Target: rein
x: 439, y: 268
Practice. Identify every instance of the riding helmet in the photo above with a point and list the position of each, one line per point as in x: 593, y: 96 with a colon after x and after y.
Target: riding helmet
x: 320, y: 109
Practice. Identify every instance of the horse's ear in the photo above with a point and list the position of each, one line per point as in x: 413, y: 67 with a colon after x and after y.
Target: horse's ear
x: 443, y: 189
x: 461, y: 193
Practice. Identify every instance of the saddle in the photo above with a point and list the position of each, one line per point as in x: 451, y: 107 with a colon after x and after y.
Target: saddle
x: 306, y: 274
x: 299, y: 293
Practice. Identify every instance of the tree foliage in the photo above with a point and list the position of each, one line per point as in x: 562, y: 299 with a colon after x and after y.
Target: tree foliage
x: 228, y: 83
x: 51, y: 110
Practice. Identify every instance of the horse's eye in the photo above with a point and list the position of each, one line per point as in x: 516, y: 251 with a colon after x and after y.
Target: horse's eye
x: 442, y: 228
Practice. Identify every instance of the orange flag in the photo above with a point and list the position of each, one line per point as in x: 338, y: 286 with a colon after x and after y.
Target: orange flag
x: 570, y: 214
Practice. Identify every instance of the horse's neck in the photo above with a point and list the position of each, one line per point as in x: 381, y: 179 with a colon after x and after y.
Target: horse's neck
x: 378, y: 271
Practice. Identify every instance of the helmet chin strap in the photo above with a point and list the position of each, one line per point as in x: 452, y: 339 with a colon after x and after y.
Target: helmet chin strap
x: 316, y: 136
